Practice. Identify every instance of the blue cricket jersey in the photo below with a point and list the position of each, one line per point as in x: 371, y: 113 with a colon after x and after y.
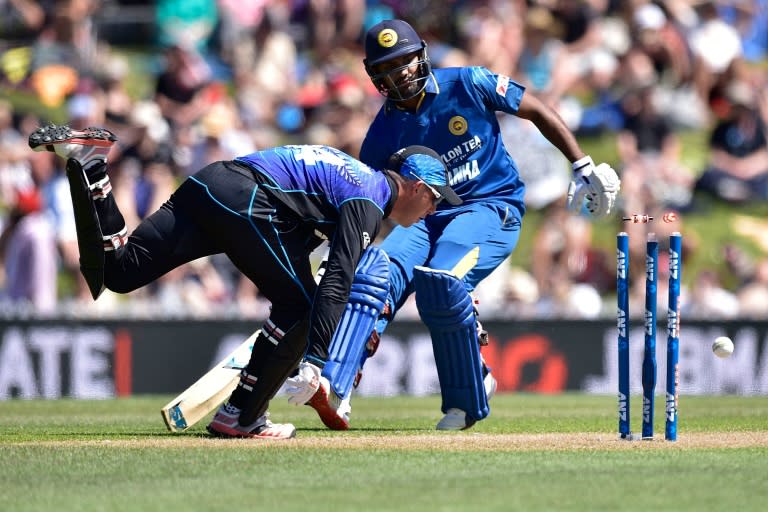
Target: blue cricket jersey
x: 315, y: 181
x: 339, y: 197
x: 457, y: 118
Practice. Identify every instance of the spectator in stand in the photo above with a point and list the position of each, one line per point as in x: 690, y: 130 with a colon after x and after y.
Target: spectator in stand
x: 586, y: 63
x: 28, y: 253
x: 147, y: 133
x: 86, y: 106
x: 20, y: 21
x: 218, y: 136
x: 737, y: 170
x: 265, y: 70
x: 649, y: 150
x: 118, y: 103
x: 188, y: 23
x: 660, y: 53
x: 65, y: 50
x: 718, y: 54
x: 145, y: 169
x: 583, y: 37
x: 330, y: 24
x: 492, y: 36
x: 180, y: 88
x: 195, y: 288
x: 344, y: 116
x: 57, y: 206
x: 570, y: 273
x: 751, y: 21
x: 14, y: 167
x: 709, y: 299
x: 663, y: 43
x: 237, y: 21
x: 542, y: 56
x: 753, y: 294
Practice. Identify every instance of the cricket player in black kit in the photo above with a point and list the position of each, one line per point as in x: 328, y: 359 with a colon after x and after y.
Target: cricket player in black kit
x: 267, y: 212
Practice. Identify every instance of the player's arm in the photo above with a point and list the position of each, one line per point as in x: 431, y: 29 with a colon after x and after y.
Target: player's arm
x: 551, y: 125
x: 598, y: 185
x: 499, y: 93
x: 359, y: 222
x: 593, y: 187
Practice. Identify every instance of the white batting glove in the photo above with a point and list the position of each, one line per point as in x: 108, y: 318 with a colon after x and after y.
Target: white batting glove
x: 301, y: 387
x: 593, y: 187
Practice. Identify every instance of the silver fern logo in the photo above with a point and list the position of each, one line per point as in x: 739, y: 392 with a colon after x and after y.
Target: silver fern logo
x: 350, y: 175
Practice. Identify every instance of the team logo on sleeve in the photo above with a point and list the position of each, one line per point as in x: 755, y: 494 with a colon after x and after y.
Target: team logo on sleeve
x: 387, y: 38
x: 502, y: 84
x: 457, y: 125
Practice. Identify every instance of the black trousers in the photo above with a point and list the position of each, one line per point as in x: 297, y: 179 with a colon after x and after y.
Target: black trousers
x: 223, y: 209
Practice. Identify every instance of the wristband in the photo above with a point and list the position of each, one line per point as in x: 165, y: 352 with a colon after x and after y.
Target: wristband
x: 582, y: 163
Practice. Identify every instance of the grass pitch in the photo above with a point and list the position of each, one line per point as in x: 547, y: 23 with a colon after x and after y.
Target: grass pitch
x: 533, y: 453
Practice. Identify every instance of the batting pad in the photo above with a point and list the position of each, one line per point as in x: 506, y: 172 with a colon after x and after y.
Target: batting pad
x: 347, y: 354
x: 447, y: 309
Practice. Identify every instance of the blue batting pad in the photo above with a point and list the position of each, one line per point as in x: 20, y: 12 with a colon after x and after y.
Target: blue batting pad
x: 447, y: 309
x: 347, y: 353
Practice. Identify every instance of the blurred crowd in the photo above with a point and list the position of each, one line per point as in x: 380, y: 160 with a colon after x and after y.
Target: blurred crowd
x: 183, y: 83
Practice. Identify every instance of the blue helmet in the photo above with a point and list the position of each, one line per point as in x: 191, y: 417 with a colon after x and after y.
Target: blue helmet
x: 389, y: 40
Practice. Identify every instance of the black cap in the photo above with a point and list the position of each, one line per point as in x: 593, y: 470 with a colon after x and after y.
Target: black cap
x: 424, y: 164
x: 390, y: 39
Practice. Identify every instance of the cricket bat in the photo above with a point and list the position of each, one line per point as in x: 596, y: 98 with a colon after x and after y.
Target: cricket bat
x: 210, y: 390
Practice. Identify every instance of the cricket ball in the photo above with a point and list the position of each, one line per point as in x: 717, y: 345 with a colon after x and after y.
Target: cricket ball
x: 722, y: 347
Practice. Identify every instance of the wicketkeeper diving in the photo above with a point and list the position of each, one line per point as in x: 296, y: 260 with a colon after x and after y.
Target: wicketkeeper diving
x: 267, y: 211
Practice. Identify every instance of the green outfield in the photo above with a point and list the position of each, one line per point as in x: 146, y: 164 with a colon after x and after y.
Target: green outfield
x: 534, y: 453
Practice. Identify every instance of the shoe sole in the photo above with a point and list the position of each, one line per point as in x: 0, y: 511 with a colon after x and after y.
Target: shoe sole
x: 50, y: 135
x: 322, y: 404
x: 227, y: 433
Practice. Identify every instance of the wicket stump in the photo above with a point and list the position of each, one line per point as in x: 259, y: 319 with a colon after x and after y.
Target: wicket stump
x: 649, y: 369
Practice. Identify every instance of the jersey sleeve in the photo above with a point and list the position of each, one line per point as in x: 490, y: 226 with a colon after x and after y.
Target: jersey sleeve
x: 359, y: 223
x: 498, y: 92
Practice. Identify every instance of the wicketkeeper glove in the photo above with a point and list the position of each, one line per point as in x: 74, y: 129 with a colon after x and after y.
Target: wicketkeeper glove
x: 598, y: 185
x: 301, y: 387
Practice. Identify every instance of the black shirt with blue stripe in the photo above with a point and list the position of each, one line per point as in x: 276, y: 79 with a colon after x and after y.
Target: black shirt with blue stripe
x: 343, y: 200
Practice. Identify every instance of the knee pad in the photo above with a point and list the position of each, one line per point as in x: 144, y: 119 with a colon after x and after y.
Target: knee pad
x: 347, y: 352
x: 447, y: 309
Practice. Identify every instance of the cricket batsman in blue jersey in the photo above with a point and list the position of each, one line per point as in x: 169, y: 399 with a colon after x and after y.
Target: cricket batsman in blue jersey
x: 267, y: 211
x: 443, y: 257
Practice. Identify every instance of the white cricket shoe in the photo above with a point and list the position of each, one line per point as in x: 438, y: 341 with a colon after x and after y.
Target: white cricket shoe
x: 456, y: 419
x: 334, y: 411
x: 225, y: 424
x: 83, y: 145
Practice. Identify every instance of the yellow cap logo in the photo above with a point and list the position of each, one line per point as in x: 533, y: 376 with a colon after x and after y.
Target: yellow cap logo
x: 457, y: 125
x: 387, y: 38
